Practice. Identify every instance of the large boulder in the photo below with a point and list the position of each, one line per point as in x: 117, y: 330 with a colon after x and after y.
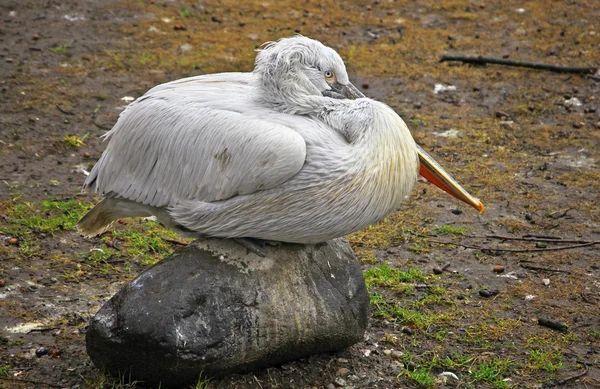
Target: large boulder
x: 214, y: 308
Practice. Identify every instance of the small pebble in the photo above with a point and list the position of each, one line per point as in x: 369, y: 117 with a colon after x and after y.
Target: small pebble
x: 86, y: 155
x: 498, y: 269
x: 216, y: 19
x: 552, y: 324
x: 387, y: 351
x: 35, y: 37
x: 340, y: 382
x: 2, y: 283
x: 342, y: 371
x: 331, y: 386
x: 40, y: 352
x: 397, y: 354
x: 407, y: 330
x: 13, y: 241
x: 365, y: 85
x: 502, y: 115
x: 437, y: 270
x: 457, y: 211
x: 179, y: 27
x: 488, y: 293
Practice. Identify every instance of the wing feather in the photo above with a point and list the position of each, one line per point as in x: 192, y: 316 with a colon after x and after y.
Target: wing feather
x: 165, y: 150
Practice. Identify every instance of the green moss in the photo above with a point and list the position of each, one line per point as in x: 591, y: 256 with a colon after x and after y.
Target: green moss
x: 493, y: 371
x: 49, y: 216
x: 415, y: 318
x: 383, y: 275
x: 59, y: 49
x: 145, y: 241
x: 451, y: 230
x: 545, y: 360
x: 421, y: 376
x: 97, y: 255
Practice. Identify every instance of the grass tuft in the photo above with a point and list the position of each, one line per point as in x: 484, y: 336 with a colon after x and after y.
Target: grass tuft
x: 59, y: 49
x: 451, y: 230
x: 74, y: 141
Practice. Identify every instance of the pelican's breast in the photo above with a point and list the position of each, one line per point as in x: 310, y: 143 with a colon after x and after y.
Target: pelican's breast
x: 390, y: 161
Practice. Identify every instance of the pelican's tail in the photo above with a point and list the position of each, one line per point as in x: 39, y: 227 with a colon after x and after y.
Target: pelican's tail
x: 100, y: 218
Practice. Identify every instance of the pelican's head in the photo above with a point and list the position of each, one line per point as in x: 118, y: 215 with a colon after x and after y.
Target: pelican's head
x: 291, y: 69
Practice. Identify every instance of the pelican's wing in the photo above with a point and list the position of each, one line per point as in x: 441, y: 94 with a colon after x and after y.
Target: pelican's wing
x: 170, y: 146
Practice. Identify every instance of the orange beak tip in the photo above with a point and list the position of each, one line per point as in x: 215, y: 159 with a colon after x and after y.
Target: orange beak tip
x: 480, y: 207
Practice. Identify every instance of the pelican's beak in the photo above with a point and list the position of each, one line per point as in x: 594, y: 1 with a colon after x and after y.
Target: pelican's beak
x: 349, y: 90
x: 343, y: 91
x: 435, y: 174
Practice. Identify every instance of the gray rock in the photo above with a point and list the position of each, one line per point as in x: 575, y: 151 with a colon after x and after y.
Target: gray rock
x: 214, y: 308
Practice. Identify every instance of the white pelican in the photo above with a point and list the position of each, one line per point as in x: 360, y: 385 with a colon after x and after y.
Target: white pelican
x: 290, y: 152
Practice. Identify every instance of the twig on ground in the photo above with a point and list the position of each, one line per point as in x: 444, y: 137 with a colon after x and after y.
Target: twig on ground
x: 531, y: 267
x: 559, y: 214
x: 540, y: 238
x: 64, y: 110
x: 30, y: 382
x: 593, y: 77
x: 480, y: 60
x: 45, y: 329
x: 574, y: 377
x: 535, y: 250
x: 553, y: 325
x: 114, y: 261
x: 174, y: 241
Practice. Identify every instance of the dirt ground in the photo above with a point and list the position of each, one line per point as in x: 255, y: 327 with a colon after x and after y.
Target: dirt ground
x: 524, y: 141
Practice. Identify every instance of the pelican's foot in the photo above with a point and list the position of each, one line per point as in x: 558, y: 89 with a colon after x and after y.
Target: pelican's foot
x: 257, y: 246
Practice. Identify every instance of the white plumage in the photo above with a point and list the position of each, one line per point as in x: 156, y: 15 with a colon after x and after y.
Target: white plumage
x: 282, y: 153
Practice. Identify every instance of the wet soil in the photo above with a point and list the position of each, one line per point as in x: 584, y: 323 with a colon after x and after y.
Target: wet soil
x: 524, y: 141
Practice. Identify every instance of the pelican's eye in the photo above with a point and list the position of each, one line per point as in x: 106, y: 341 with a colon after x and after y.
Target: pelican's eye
x: 329, y: 76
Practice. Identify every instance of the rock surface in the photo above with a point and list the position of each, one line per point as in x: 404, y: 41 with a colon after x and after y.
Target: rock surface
x: 214, y: 308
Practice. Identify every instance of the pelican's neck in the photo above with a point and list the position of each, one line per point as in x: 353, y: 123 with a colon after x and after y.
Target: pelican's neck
x: 289, y: 92
x: 385, y: 153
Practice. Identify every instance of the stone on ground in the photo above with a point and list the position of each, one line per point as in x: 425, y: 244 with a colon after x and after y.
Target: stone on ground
x: 214, y: 308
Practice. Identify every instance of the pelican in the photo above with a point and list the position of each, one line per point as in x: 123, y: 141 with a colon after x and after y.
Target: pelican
x: 290, y: 152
